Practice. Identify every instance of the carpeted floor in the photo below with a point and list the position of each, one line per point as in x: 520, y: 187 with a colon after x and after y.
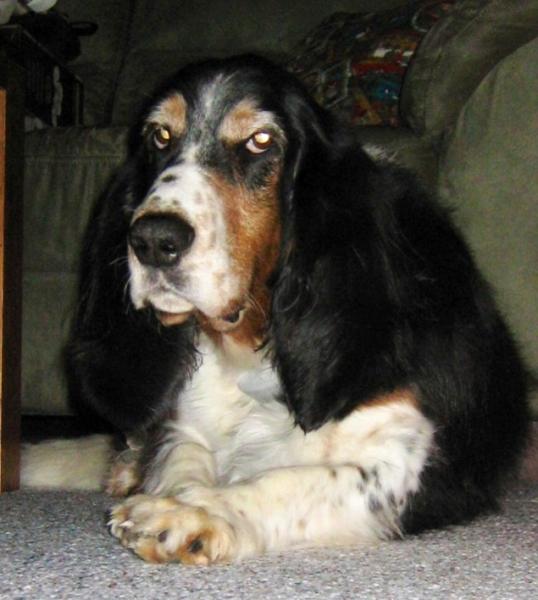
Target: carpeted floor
x: 55, y: 545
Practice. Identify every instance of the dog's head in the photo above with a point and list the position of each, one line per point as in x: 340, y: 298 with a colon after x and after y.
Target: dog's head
x: 217, y: 148
x: 234, y: 208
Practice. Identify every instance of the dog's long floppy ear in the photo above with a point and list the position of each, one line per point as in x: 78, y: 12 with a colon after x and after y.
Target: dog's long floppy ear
x: 120, y: 361
x: 322, y: 329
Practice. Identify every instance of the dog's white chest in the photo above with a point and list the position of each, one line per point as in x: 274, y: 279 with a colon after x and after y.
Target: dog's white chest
x: 230, y: 406
x: 261, y: 383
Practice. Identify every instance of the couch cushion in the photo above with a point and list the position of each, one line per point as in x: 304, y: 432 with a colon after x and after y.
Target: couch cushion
x: 457, y: 54
x: 489, y: 174
x: 65, y: 171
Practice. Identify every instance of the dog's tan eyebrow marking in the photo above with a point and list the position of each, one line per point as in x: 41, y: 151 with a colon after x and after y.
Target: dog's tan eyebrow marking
x: 170, y: 113
x: 244, y: 119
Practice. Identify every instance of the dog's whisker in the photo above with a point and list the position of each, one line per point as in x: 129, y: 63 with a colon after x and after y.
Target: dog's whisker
x: 118, y: 261
x: 256, y: 304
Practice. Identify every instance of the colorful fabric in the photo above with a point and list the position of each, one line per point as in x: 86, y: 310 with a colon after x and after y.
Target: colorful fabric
x: 354, y: 63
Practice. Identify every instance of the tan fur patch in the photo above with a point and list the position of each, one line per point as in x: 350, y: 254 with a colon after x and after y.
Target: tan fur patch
x: 244, y: 120
x: 253, y: 224
x: 405, y: 395
x: 172, y: 113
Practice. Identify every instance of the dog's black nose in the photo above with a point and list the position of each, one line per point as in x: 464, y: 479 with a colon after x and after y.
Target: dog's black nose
x: 159, y: 240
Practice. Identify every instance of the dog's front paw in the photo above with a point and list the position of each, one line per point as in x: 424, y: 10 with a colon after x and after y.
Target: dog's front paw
x: 165, y: 530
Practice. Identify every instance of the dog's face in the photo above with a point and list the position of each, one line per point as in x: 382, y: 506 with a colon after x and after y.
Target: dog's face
x: 205, y: 233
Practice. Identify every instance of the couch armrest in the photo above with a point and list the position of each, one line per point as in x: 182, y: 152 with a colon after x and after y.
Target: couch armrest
x: 488, y: 175
x: 456, y: 55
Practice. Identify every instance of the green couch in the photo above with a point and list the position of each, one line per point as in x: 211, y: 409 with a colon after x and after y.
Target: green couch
x: 471, y: 122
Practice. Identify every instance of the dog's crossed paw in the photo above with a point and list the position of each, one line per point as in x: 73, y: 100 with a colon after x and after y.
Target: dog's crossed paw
x: 163, y: 530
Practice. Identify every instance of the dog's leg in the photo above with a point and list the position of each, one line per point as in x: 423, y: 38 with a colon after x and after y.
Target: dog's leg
x: 124, y: 477
x: 176, y: 463
x: 358, y: 499
x: 180, y: 463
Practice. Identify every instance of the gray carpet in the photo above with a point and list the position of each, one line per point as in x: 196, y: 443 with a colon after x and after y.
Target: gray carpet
x: 55, y: 545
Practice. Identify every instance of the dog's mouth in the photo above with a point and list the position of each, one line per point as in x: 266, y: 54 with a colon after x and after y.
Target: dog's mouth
x: 171, y: 313
x: 168, y: 319
x: 172, y: 309
x: 223, y: 324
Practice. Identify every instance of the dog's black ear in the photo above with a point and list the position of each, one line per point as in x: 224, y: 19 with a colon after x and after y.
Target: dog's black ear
x: 328, y: 301
x: 120, y: 361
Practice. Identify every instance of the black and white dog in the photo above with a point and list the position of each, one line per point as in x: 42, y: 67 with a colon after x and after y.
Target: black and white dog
x: 302, y: 330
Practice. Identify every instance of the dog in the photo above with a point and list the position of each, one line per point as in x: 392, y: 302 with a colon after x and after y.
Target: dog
x: 296, y: 326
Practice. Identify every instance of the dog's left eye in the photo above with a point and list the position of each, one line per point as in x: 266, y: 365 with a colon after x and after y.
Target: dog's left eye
x: 259, y: 142
x: 161, y: 137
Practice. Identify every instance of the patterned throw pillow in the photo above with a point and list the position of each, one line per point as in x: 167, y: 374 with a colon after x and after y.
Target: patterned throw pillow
x: 354, y: 63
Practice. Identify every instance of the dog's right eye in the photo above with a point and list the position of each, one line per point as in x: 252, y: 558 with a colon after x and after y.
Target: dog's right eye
x: 259, y: 142
x: 161, y: 137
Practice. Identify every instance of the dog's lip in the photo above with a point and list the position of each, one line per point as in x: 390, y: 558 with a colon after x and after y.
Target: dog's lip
x: 172, y: 315
x: 168, y: 319
x: 225, y: 323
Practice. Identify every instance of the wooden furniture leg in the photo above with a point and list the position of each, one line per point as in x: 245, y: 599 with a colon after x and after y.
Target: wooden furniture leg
x: 11, y: 180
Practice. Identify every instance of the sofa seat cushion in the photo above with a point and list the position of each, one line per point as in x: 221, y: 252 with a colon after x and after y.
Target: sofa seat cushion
x: 65, y: 172
x: 489, y: 176
x: 49, y: 300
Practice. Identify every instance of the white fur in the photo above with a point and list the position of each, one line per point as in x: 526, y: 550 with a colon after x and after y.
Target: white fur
x: 379, y: 153
x: 80, y: 463
x: 254, y: 473
x: 236, y: 465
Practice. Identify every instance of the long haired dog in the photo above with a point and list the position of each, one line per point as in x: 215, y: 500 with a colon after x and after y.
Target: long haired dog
x: 301, y: 328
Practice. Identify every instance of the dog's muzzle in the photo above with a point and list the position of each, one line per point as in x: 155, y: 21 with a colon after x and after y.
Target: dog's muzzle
x: 159, y: 241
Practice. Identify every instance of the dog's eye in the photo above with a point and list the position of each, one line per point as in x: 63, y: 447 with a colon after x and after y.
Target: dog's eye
x: 259, y: 142
x: 161, y: 137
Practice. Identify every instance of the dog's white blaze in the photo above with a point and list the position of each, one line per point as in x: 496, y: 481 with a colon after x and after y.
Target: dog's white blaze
x: 206, y: 270
x: 211, y: 92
